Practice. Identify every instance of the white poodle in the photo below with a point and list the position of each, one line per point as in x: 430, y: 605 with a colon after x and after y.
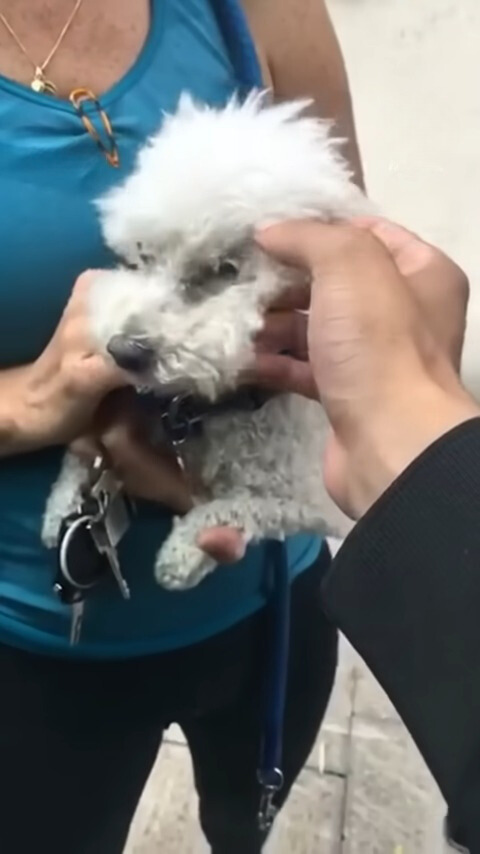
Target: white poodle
x: 183, y: 313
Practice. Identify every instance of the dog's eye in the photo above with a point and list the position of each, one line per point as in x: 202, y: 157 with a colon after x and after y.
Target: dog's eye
x: 197, y: 279
x: 228, y: 269
x: 224, y: 270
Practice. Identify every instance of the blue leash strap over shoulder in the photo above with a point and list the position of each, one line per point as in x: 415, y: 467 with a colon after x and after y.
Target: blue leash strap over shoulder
x: 235, y: 30
x: 234, y: 26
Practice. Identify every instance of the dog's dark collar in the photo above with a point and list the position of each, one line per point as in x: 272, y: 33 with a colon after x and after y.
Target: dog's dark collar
x: 182, y: 417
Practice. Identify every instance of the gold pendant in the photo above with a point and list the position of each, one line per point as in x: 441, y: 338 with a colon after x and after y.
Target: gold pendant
x: 41, y: 84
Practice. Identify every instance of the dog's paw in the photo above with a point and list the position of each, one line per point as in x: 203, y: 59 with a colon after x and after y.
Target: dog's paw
x: 52, y: 522
x: 180, y: 565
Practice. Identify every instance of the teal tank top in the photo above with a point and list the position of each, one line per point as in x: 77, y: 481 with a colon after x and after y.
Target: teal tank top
x: 50, y: 173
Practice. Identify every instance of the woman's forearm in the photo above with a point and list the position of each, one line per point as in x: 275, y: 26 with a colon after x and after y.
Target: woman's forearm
x: 20, y: 430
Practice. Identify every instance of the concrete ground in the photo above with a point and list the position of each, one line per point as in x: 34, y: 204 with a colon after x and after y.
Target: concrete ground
x: 364, y: 789
x: 414, y: 68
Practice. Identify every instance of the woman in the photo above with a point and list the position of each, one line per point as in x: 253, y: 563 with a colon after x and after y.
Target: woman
x: 80, y: 726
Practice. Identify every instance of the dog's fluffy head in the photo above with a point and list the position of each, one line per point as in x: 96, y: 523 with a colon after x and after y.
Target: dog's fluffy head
x: 185, y: 220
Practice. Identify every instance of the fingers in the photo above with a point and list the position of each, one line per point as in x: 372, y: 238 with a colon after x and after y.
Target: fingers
x: 85, y: 279
x: 323, y: 249
x: 296, y: 298
x: 145, y: 473
x: 86, y: 448
x: 225, y: 545
x: 282, y: 373
x: 104, y: 376
x: 353, y: 274
x: 284, y: 331
x: 92, y: 373
x: 307, y: 243
x: 438, y: 284
x: 410, y: 253
x: 294, y: 243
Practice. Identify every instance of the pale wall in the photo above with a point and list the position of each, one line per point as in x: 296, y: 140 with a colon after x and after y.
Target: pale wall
x: 415, y: 74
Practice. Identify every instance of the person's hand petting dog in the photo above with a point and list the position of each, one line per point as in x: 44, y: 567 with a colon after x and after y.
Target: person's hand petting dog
x: 439, y: 285
x: 385, y: 335
x: 49, y: 401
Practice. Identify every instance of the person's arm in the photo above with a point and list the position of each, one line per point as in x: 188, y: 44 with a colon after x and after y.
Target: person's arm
x: 386, y: 323
x: 405, y: 590
x: 302, y: 58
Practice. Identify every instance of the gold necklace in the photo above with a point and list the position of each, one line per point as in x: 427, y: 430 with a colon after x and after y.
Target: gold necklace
x: 40, y: 82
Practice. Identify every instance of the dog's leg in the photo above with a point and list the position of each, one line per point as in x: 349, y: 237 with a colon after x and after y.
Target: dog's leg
x: 64, y: 497
x: 182, y: 564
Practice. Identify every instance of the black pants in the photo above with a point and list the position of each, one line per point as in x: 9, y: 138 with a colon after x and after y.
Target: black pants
x: 79, y: 739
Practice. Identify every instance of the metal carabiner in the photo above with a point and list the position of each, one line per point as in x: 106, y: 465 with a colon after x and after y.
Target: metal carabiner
x: 180, y: 420
x: 267, y: 810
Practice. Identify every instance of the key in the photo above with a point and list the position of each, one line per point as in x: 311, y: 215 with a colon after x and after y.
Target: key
x: 106, y: 547
x: 107, y: 532
x: 117, y: 519
x: 103, y: 490
x: 112, y: 506
x: 78, y: 609
x: 76, y: 600
x: 111, y: 523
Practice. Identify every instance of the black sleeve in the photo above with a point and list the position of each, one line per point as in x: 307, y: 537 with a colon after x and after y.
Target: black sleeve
x: 405, y: 590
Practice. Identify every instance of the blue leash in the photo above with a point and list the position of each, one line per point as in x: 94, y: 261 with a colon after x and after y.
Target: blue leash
x: 270, y: 775
x: 236, y: 32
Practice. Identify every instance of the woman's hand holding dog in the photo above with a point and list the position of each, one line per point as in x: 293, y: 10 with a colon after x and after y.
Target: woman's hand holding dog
x: 118, y: 433
x: 52, y: 400
x: 64, y: 397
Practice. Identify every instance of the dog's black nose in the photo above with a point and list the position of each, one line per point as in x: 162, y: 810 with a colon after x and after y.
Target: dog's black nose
x: 130, y: 354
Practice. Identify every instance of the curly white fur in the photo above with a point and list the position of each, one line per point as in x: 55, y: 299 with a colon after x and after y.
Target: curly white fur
x: 185, y: 220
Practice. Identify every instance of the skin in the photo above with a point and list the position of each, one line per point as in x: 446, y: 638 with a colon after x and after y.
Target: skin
x: 296, y: 44
x: 301, y: 57
x: 82, y: 59
x: 439, y: 284
x: 382, y: 351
